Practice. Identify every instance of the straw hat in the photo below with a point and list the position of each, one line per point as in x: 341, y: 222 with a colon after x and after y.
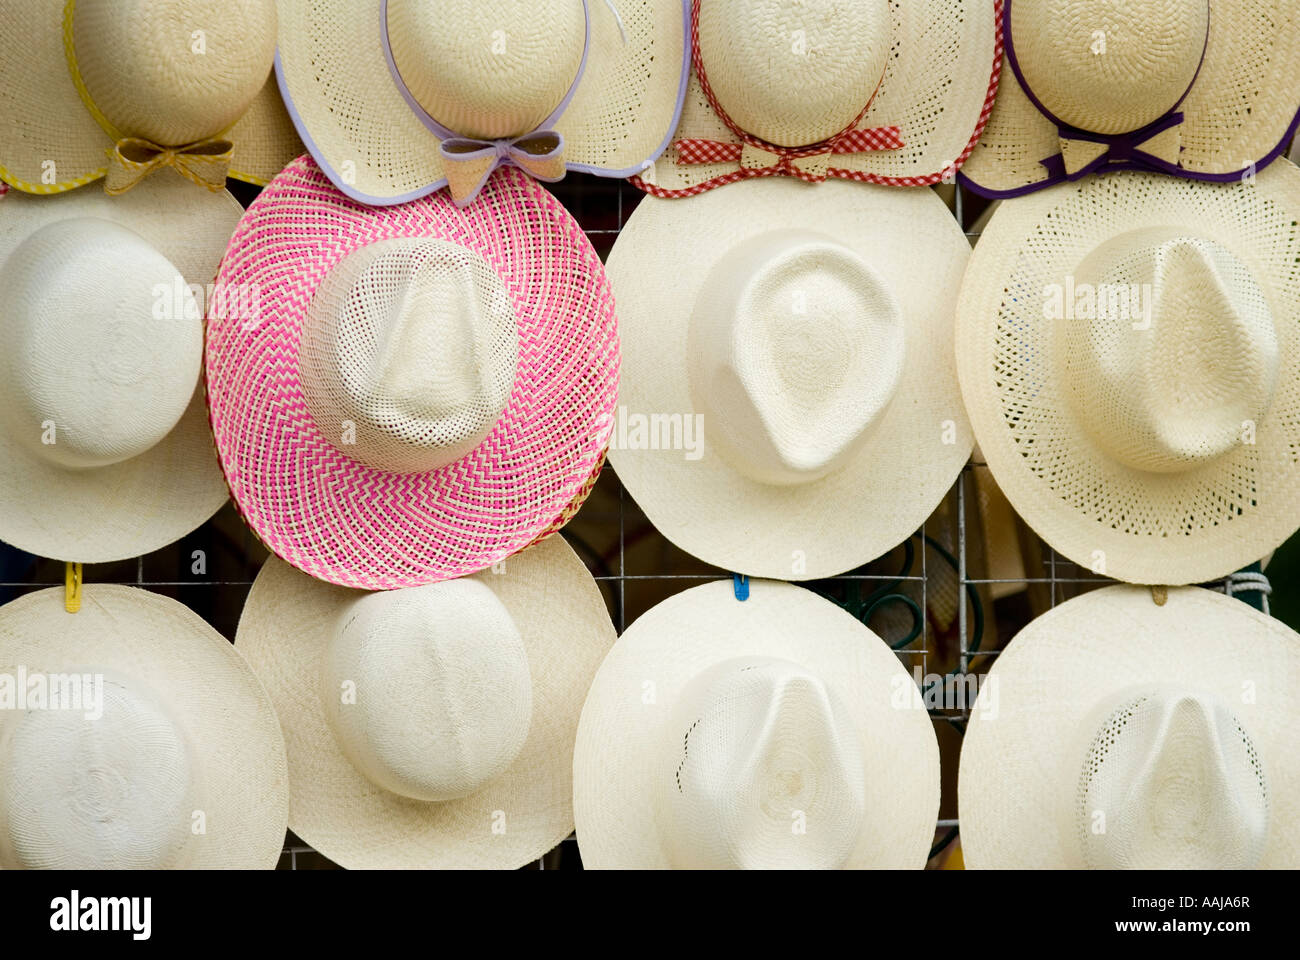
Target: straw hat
x: 151, y: 746
x: 778, y: 732
x: 1115, y: 733
x: 1194, y: 88
x: 421, y: 391
x: 1128, y: 355
x: 807, y: 336
x: 122, y: 88
x: 433, y: 726
x: 398, y: 98
x: 105, y: 451
x: 892, y: 93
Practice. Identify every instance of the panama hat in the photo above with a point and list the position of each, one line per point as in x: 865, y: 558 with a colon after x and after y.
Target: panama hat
x: 422, y: 390
x: 121, y: 88
x: 432, y: 726
x: 398, y: 98
x: 105, y: 451
x: 809, y: 336
x: 1128, y: 354
x: 1132, y: 735
x: 1194, y: 88
x: 777, y: 732
x: 890, y: 93
x: 133, y: 736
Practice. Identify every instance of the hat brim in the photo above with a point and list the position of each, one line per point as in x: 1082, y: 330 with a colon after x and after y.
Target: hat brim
x: 566, y: 630
x: 228, y: 720
x: 1016, y: 775
x: 1170, y: 528
x: 353, y: 525
x: 620, y: 734
x: 903, y: 468
x: 46, y: 121
x: 144, y: 503
x: 379, y: 151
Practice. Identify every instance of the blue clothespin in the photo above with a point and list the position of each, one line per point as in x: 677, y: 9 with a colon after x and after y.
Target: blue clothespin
x: 740, y: 583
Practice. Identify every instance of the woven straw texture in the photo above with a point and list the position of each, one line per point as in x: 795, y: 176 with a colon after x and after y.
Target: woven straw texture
x: 136, y: 62
x: 514, y: 67
x: 1133, y: 448
x: 565, y: 628
x: 940, y: 59
x: 1068, y: 722
x: 357, y: 526
x: 820, y: 380
x: 186, y: 727
x: 77, y: 511
x: 638, y: 716
x: 1239, y: 110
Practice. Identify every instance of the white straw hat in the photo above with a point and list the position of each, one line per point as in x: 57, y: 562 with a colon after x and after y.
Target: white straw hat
x: 807, y: 334
x: 105, y: 451
x: 151, y: 746
x: 774, y: 732
x: 398, y: 98
x: 1128, y: 353
x: 431, y: 726
x: 1115, y: 733
x: 873, y: 91
x: 1194, y: 88
x: 122, y: 88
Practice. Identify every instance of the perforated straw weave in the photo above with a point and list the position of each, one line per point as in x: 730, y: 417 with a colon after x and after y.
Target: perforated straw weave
x: 323, y: 511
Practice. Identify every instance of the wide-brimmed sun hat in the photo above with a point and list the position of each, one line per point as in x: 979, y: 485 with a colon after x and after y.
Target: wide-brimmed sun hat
x: 789, y: 404
x: 1128, y: 734
x: 133, y: 736
x: 105, y: 451
x: 119, y: 89
x: 890, y: 93
x: 420, y: 390
x: 1194, y: 88
x: 1128, y: 352
x: 431, y: 727
x: 774, y: 732
x: 398, y: 98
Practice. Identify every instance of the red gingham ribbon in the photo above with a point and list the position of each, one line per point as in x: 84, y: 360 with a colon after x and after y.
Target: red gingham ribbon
x: 784, y: 160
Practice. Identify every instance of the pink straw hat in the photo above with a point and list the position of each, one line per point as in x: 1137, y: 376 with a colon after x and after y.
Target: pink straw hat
x: 406, y: 394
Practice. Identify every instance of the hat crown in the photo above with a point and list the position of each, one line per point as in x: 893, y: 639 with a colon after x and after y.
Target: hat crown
x: 1176, y: 361
x: 1109, y: 68
x: 1170, y: 780
x: 86, y: 793
x: 760, y: 769
x: 795, y: 348
x: 793, y: 74
x: 408, y: 353
x: 427, y: 689
x: 99, y: 359
x: 488, y: 69
x: 173, y: 71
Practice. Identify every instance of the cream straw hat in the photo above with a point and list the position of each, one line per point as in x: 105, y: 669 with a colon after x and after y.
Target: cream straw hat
x: 1203, y: 89
x: 133, y: 736
x: 892, y: 93
x: 398, y: 98
x: 1128, y: 351
x: 105, y: 451
x: 431, y: 726
x: 1115, y: 733
x: 777, y: 732
x: 121, y: 88
x: 805, y: 337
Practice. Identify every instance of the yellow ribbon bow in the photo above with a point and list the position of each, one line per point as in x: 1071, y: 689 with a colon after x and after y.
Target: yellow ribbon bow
x: 131, y: 159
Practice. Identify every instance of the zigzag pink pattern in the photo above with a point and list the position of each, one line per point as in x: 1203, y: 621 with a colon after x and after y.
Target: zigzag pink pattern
x: 349, y: 524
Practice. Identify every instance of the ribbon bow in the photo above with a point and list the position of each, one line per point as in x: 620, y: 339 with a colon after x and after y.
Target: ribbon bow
x: 131, y: 159
x: 810, y: 164
x: 468, y: 162
x: 1155, y: 147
